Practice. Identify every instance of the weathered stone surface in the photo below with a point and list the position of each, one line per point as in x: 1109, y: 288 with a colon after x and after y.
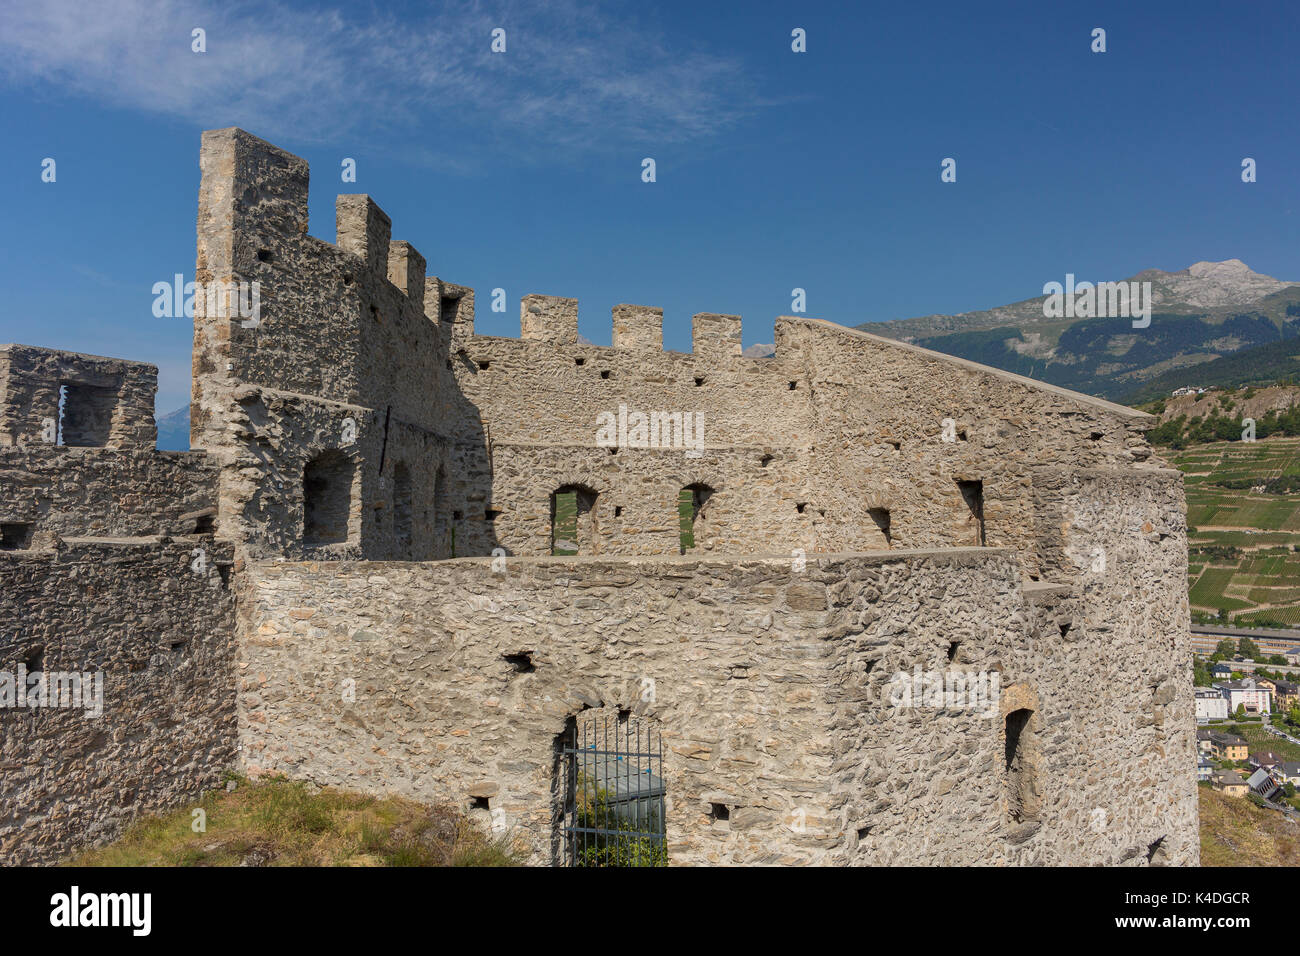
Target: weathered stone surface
x: 863, y: 509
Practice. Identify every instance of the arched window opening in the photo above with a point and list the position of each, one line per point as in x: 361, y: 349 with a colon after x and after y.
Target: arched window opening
x: 692, y: 505
x: 1022, y: 794
x: 573, y: 521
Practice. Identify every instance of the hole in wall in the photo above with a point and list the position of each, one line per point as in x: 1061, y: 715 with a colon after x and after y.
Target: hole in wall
x: 883, y: 521
x: 484, y: 366
x: 491, y: 514
x: 205, y: 524
x: 624, y: 715
x: 479, y: 803
x: 35, y: 660
x: 579, y: 361
x: 522, y: 662
x: 374, y: 314
x: 719, y: 812
x: 952, y: 650
x: 177, y: 648
x: 800, y: 506
x: 864, y: 832
x: 16, y: 535
x: 1065, y: 628
x: 1156, y: 852
x: 605, y: 374
x: 793, y: 386
x: 618, y: 511
x: 1098, y: 436
x: 347, y: 278
x: 223, y: 572
x: 699, y: 382
x: 897, y: 445
x: 765, y: 461
x: 265, y: 255
x: 448, y: 308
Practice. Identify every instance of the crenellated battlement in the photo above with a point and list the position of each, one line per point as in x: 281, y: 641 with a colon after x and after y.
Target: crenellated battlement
x: 715, y: 336
x: 254, y: 199
x: 638, y: 327
x: 549, y: 318
x: 553, y: 320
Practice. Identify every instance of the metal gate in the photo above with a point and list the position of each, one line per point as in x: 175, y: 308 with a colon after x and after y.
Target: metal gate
x: 613, y: 792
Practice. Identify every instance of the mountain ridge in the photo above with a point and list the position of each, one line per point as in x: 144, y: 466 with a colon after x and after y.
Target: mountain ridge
x: 1205, y: 286
x: 1199, y: 315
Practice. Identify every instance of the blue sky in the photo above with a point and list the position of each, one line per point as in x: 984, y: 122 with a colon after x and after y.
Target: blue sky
x: 775, y: 170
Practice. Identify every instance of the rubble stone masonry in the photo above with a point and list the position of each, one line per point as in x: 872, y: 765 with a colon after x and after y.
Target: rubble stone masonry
x: 384, y: 498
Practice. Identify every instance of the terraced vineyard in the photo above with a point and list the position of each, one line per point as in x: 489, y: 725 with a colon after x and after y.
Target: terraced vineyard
x: 1244, y: 546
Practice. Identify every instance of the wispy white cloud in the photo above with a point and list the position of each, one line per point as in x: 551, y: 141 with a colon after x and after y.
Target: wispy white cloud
x: 575, y: 75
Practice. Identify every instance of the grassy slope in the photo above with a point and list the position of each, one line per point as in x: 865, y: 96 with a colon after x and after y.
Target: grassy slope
x: 1235, y: 832
x: 1261, y: 584
x: 281, y: 823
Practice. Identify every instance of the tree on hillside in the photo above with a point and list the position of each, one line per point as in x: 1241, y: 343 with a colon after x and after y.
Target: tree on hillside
x: 1226, y: 647
x: 1248, y: 648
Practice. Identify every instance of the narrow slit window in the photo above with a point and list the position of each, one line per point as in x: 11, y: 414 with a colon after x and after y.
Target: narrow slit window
x: 972, y: 493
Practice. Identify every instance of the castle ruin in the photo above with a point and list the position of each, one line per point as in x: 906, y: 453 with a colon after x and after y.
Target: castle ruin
x: 401, y: 560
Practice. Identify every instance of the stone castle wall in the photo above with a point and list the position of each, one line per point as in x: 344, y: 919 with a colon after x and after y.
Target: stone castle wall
x: 108, y: 570
x: 1103, y: 661
x: 161, y: 635
x: 769, y: 682
x: 870, y: 508
x: 798, y: 448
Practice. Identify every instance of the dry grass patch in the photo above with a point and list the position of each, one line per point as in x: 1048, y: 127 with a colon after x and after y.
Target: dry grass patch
x: 1235, y: 832
x: 279, y: 822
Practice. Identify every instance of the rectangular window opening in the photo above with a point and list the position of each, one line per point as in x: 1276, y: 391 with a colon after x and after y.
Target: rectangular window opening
x: 85, y: 415
x: 16, y: 535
